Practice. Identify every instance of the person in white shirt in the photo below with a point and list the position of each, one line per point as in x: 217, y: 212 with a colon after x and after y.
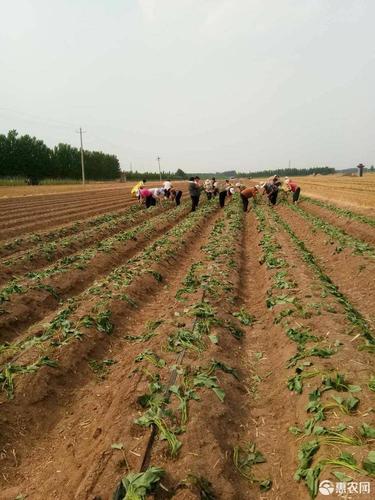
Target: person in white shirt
x: 167, y: 186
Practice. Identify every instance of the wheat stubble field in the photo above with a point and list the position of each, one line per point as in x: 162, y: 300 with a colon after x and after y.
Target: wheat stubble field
x: 227, y: 355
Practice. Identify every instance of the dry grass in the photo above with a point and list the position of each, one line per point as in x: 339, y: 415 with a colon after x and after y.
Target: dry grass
x: 357, y: 193
x: 13, y: 191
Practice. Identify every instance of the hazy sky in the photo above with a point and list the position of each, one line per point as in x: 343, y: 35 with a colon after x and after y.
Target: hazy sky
x: 206, y: 84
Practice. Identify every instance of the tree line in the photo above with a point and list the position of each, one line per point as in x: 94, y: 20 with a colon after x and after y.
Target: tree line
x: 289, y: 172
x: 26, y: 156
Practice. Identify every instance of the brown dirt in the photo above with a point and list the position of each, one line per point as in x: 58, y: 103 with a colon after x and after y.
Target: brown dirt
x: 272, y: 407
x: 38, y: 192
x: 32, y: 260
x: 350, y: 272
x: 67, y: 415
x: 24, y: 309
x: 110, y: 199
x: 56, y: 435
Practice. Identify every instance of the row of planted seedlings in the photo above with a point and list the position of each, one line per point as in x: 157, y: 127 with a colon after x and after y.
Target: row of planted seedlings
x: 31, y: 217
x: 51, y: 284
x: 48, y: 251
x: 339, y: 424
x: 192, y: 388
x: 344, y: 239
x: 28, y: 240
x: 87, y: 319
x: 343, y: 212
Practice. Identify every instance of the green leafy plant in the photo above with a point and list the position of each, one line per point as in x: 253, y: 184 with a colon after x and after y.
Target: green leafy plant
x: 369, y: 464
x: 301, y: 336
x: 156, y: 416
x: 201, y: 379
x: 150, y: 331
x: 322, y: 352
x: 9, y: 371
x: 185, y: 339
x: 136, y: 486
x: 338, y: 383
x: 244, y: 459
x: 282, y: 299
x: 244, y: 317
x: 371, y: 384
x: 367, y: 431
x: 150, y: 356
x: 202, y: 485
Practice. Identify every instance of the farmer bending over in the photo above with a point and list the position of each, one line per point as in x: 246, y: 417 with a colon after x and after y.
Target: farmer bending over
x: 294, y: 188
x: 246, y: 193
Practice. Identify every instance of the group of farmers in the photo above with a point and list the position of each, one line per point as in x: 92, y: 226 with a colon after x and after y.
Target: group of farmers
x: 215, y: 188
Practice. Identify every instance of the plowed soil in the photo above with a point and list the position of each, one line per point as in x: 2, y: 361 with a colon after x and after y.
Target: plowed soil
x: 75, y: 362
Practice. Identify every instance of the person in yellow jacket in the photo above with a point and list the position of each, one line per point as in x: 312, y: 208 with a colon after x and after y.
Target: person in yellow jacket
x: 135, y: 190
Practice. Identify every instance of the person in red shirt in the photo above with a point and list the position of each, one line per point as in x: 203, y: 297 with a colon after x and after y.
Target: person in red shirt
x: 246, y: 193
x: 148, y: 196
x: 294, y: 188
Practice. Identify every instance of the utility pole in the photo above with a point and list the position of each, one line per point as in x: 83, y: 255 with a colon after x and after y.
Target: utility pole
x: 82, y: 159
x: 289, y: 164
x: 158, y: 158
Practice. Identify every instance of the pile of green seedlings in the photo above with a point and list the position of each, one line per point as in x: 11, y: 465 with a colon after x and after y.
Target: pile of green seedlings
x: 313, y: 434
x: 342, y: 211
x: 37, y: 279
x: 344, y: 239
x: 67, y: 325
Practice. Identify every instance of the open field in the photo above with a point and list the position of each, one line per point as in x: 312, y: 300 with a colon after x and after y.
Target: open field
x: 18, y: 191
x: 234, y: 351
x: 357, y: 193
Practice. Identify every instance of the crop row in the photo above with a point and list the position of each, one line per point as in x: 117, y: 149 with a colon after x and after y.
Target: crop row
x: 311, y: 345
x: 80, y: 261
x: 16, y: 244
x: 204, y: 292
x: 45, y: 253
x: 342, y: 211
x: 345, y: 239
x: 91, y: 310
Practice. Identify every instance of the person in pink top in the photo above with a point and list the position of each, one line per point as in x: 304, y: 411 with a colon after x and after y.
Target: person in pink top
x: 294, y: 188
x: 148, y: 196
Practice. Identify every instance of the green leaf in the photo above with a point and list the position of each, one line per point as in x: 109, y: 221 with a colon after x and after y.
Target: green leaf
x: 265, y: 485
x: 367, y: 431
x: 137, y: 485
x: 342, y: 477
x: 347, y: 458
x: 369, y: 463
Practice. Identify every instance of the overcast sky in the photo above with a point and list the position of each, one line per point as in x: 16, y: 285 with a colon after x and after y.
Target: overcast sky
x: 206, y: 84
